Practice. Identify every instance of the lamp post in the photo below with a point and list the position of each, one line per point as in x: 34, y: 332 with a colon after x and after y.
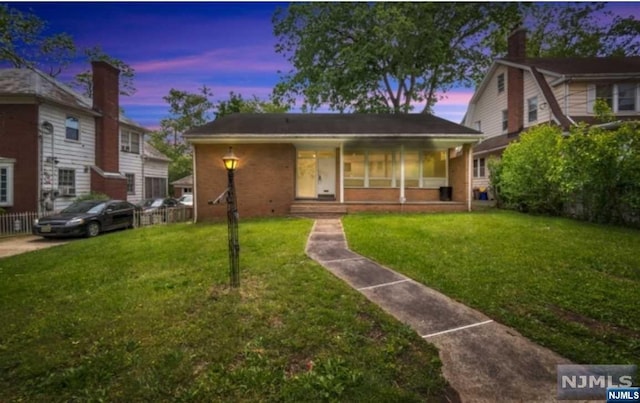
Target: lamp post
x: 231, y: 163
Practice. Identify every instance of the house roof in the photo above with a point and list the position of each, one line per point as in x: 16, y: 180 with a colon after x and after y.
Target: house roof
x: 152, y: 153
x: 331, y: 125
x: 578, y: 66
x: 34, y: 83
x: 186, y: 181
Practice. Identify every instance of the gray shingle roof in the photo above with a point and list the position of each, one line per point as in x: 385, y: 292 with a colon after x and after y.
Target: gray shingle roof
x: 151, y: 152
x: 333, y: 124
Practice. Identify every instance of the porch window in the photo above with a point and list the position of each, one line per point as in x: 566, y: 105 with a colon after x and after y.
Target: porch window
x: 411, y: 170
x: 380, y: 169
x: 354, y: 169
x: 434, y: 169
x: 479, y: 168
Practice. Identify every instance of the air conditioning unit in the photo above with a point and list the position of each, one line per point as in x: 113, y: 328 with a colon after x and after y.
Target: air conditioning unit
x: 67, y: 190
x: 124, y: 147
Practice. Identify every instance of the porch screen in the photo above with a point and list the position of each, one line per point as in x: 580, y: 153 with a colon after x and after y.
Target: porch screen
x: 434, y: 169
x: 354, y: 169
x: 380, y: 169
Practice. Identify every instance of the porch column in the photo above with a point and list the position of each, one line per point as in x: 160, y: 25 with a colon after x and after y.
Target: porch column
x: 402, y: 194
x: 469, y: 148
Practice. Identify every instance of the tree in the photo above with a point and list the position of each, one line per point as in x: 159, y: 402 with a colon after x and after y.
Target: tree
x: 388, y: 57
x: 577, y: 30
x: 186, y: 110
x: 84, y: 83
x: 23, y: 43
x: 236, y: 104
x: 384, y: 57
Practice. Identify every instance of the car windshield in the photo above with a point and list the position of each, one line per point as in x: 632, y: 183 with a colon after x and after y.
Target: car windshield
x: 85, y: 207
x: 152, y: 203
x: 186, y: 198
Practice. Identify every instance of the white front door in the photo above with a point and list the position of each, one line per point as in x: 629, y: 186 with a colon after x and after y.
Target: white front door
x: 315, y: 173
x: 326, y: 173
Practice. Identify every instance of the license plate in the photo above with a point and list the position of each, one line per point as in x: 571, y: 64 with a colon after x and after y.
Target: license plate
x: 45, y: 228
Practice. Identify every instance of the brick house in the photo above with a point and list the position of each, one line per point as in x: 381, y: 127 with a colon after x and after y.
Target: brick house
x: 56, y: 144
x: 334, y: 163
x: 519, y: 92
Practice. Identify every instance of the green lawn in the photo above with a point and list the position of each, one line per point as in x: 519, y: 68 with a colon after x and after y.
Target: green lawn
x: 144, y: 315
x: 571, y: 286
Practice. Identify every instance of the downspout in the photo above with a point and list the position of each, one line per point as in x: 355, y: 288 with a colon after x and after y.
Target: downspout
x: 469, y: 177
x: 341, y: 156
x: 403, y: 199
x: 39, y: 199
x: 144, y: 160
x: 194, y: 188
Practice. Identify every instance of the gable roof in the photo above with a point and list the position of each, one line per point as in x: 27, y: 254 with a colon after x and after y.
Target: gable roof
x: 185, y: 181
x: 582, y: 66
x: 152, y: 153
x: 331, y: 125
x: 34, y: 83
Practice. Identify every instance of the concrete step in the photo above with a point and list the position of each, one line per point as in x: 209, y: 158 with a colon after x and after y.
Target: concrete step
x: 317, y: 209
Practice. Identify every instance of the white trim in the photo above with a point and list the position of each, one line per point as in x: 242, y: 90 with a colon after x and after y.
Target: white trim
x: 457, y: 329
x: 341, y: 179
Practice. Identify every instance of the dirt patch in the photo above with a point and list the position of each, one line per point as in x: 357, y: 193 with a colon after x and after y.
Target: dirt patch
x: 592, y: 324
x: 22, y: 244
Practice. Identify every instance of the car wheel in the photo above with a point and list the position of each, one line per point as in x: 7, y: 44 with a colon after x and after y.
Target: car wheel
x: 93, y: 229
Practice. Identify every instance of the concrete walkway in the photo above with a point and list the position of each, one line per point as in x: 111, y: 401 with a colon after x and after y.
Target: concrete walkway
x: 483, y: 361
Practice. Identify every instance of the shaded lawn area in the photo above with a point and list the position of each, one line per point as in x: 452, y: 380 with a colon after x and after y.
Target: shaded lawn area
x: 144, y: 315
x: 571, y: 286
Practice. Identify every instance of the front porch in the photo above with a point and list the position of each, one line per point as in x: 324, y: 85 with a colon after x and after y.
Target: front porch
x: 324, y: 209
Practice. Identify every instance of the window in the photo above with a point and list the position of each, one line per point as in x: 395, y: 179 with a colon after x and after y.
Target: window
x: 72, y: 128
x: 155, y: 187
x: 131, y: 183
x: 67, y: 182
x: 500, y: 82
x: 620, y: 97
x: 6, y: 182
x: 478, y: 168
x: 532, y: 107
x: 130, y: 142
x: 505, y: 120
x: 626, y: 97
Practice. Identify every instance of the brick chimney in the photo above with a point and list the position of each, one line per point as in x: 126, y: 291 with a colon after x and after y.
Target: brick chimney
x: 106, y: 92
x: 106, y: 101
x: 517, y: 49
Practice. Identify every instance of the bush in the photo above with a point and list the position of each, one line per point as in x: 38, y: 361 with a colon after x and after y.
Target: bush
x: 526, y: 173
x: 593, y: 174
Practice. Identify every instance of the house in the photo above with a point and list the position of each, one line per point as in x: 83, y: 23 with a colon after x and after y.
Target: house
x: 519, y: 92
x: 56, y: 144
x: 182, y: 186
x: 334, y: 163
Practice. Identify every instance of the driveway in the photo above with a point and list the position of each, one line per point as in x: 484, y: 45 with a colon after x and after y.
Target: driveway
x: 21, y: 244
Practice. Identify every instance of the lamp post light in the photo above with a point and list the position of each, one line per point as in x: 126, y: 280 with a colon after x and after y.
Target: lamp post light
x: 231, y: 163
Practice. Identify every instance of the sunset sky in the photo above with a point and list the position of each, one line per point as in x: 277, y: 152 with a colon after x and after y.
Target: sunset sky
x: 225, y: 46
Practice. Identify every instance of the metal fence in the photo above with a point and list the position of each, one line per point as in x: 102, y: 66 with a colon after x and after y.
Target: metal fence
x: 12, y: 224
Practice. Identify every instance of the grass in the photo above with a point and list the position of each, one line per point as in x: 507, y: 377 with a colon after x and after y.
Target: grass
x: 568, y: 285
x: 145, y: 315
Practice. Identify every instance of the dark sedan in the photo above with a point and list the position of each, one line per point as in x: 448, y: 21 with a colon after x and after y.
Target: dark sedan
x: 87, y: 218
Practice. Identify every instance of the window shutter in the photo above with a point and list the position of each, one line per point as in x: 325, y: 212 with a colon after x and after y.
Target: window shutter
x: 591, y: 97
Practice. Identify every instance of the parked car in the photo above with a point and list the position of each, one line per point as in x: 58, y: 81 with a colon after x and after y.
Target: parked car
x: 157, y: 204
x: 87, y: 218
x: 186, y: 200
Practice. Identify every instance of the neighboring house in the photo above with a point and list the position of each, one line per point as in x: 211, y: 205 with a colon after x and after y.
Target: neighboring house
x: 518, y: 93
x: 56, y: 144
x: 333, y: 163
x: 182, y: 186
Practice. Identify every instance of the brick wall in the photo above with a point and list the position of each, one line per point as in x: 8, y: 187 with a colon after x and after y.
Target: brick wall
x: 19, y: 140
x: 106, y: 100
x: 265, y: 179
x: 459, y: 175
x: 116, y: 188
